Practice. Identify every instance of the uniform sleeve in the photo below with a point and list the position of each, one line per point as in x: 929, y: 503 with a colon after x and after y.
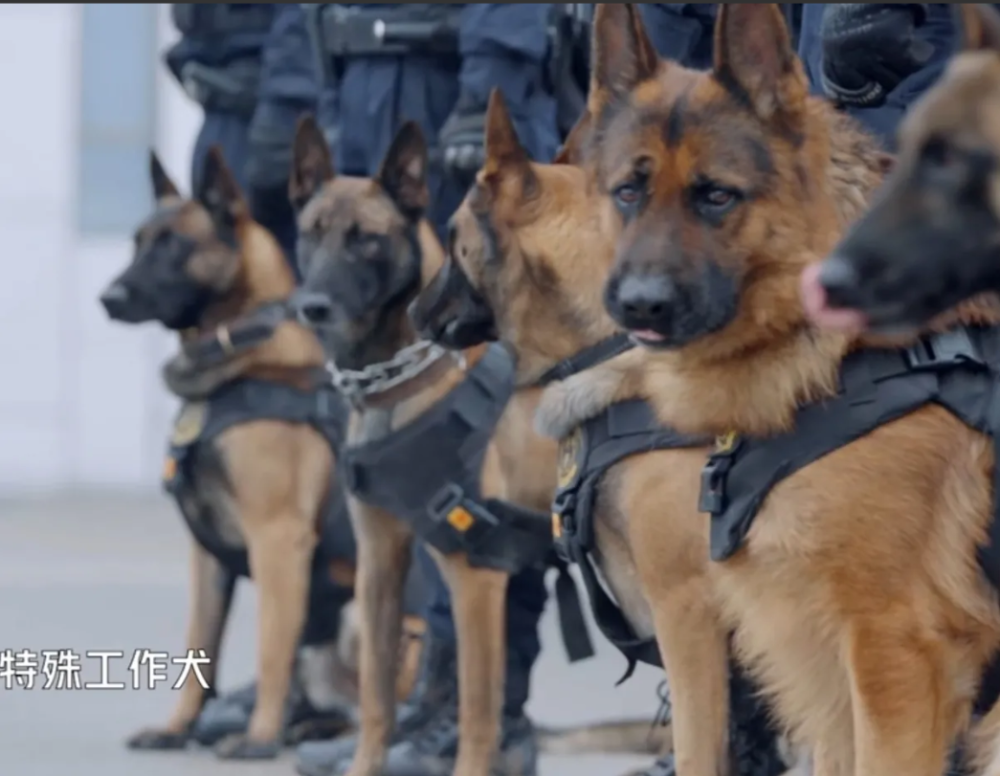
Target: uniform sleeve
x: 507, y: 46
x: 682, y: 32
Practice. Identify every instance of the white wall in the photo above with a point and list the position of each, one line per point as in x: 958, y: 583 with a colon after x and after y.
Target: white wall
x: 80, y: 399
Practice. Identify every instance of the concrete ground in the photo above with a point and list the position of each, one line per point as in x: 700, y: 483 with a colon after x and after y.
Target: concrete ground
x: 97, y: 572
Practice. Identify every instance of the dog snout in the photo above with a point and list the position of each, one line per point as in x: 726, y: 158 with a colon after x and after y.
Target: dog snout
x: 839, y: 280
x: 115, y: 299
x: 644, y: 302
x: 314, y: 309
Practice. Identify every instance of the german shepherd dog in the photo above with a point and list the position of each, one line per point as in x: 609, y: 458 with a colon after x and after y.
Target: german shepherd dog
x: 366, y: 251
x: 932, y: 238
x: 200, y: 267
x: 528, y: 251
x: 856, y: 595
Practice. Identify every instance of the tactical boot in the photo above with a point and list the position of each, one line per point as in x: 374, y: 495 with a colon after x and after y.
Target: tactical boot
x: 225, y: 715
x: 436, y: 686
x: 753, y: 741
x: 432, y: 750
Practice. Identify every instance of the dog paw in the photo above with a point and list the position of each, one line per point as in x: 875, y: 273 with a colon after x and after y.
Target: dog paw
x: 158, y: 740
x: 239, y: 747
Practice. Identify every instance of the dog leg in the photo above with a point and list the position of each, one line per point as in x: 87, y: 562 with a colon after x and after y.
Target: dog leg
x: 695, y: 657
x: 383, y: 562
x: 478, y: 602
x: 905, y: 714
x: 212, y: 588
x: 281, y: 549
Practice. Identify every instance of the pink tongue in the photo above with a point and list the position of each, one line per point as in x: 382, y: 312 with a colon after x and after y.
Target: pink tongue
x: 814, y: 302
x: 647, y: 334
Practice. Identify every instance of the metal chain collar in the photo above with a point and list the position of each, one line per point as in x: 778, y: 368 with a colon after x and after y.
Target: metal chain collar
x: 408, y: 363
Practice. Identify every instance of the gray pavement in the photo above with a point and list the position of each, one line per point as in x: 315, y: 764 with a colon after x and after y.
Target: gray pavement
x: 86, y: 572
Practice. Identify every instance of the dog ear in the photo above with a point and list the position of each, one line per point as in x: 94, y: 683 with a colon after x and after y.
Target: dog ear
x: 503, y: 149
x: 220, y: 195
x: 312, y: 164
x: 574, y: 150
x: 162, y: 185
x: 980, y: 27
x: 755, y: 62
x: 622, y: 54
x: 403, y: 174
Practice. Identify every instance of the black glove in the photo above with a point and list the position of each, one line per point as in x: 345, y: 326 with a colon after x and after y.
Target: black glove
x: 460, y: 140
x: 869, y: 48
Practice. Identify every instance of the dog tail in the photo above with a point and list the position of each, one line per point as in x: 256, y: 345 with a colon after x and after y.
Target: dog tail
x: 627, y: 736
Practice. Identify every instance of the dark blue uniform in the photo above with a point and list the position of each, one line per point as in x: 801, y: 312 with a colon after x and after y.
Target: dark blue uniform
x: 251, y: 68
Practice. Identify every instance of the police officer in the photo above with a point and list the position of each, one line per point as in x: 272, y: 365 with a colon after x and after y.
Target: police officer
x: 248, y: 65
x: 435, y: 64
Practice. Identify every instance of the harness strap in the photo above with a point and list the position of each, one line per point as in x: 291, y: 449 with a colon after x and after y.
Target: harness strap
x: 587, y: 358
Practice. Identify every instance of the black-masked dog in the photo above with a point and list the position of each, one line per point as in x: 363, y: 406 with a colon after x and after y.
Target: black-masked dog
x: 252, y: 454
x: 366, y: 251
x: 527, y: 255
x: 932, y: 237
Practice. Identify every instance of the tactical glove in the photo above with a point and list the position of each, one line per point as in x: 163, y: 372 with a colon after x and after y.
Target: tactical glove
x: 460, y: 139
x: 869, y: 48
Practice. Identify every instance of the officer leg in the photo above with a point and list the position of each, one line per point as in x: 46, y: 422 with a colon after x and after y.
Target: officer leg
x: 229, y: 132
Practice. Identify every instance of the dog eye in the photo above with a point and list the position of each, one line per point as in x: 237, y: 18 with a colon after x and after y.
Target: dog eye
x: 714, y: 200
x: 937, y: 152
x: 627, y: 195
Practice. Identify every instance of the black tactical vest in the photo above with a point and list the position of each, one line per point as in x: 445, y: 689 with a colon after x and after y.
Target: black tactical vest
x: 243, y: 401
x: 427, y: 474
x: 958, y: 370
x: 624, y: 429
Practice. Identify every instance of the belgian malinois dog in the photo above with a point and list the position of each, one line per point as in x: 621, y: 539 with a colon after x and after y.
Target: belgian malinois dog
x: 203, y: 267
x: 932, y: 238
x: 366, y: 251
x: 528, y: 252
x: 855, y: 593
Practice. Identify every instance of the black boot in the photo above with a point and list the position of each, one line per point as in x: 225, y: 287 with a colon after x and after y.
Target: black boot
x: 753, y: 740
x: 225, y: 715
x: 436, y: 686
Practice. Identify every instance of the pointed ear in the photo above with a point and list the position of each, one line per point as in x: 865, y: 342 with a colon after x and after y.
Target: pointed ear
x: 622, y: 54
x: 219, y: 193
x: 403, y: 174
x: 574, y: 150
x: 162, y: 185
x: 312, y: 165
x: 755, y: 62
x: 980, y: 27
x: 503, y: 147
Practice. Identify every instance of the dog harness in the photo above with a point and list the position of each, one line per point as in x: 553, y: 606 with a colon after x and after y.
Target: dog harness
x: 244, y: 401
x: 427, y: 474
x: 958, y: 370
x: 624, y: 429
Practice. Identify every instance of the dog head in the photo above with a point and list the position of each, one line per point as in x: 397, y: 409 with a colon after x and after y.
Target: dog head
x: 932, y: 237
x: 721, y: 181
x: 526, y: 255
x: 185, y: 254
x: 361, y: 243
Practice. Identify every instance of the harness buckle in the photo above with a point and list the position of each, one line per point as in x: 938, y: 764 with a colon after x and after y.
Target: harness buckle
x: 449, y: 505
x: 945, y: 349
x: 712, y: 496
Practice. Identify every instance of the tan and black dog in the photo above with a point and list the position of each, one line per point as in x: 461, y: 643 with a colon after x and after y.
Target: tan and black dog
x: 529, y: 250
x: 851, y: 488
x: 933, y: 237
x: 252, y: 456
x: 367, y: 251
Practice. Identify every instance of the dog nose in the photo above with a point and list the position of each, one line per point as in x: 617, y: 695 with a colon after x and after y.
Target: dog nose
x: 114, y: 298
x: 314, y: 309
x: 838, y: 278
x: 644, y: 301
